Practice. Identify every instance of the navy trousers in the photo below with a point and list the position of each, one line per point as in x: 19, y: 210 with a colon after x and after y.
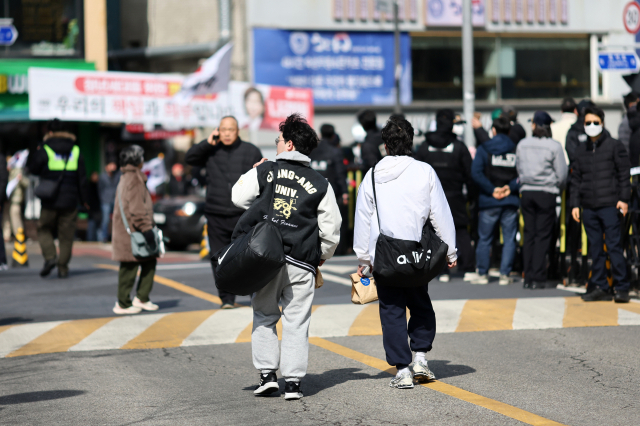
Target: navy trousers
x: 605, y: 221
x: 393, y: 316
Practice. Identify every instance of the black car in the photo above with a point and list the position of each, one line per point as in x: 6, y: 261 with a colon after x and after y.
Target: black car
x: 181, y: 220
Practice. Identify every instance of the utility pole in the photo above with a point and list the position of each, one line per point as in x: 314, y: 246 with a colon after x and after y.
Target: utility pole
x: 398, y: 68
x: 468, y: 91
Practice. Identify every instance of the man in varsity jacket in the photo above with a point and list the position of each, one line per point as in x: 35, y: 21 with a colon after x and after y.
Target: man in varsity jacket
x: 307, y: 215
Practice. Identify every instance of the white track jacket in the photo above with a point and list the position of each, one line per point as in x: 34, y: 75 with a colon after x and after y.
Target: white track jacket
x: 409, y: 192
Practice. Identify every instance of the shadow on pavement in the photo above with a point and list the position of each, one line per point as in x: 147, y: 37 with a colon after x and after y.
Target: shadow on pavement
x: 13, y: 320
x: 443, y: 371
x: 168, y: 304
x: 20, y: 398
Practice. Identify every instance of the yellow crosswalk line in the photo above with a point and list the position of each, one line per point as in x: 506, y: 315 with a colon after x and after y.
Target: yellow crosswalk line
x: 169, y: 331
x: 632, y: 307
x: 367, y: 323
x: 487, y: 315
x: 61, y: 338
x: 589, y: 314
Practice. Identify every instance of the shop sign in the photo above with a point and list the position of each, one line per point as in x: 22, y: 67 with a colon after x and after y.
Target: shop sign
x: 618, y: 61
x: 149, y: 98
x: 15, y: 84
x: 448, y: 13
x: 341, y: 67
x: 631, y: 17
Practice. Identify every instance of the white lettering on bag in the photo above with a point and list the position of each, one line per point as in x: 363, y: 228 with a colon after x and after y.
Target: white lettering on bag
x: 505, y: 160
x: 402, y: 259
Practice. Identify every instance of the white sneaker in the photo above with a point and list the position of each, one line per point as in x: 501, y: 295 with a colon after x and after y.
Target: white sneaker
x: 131, y: 310
x: 505, y: 280
x: 147, y: 306
x: 421, y: 370
x: 482, y: 279
x: 470, y: 276
x: 444, y: 278
x: 402, y: 381
x: 494, y: 272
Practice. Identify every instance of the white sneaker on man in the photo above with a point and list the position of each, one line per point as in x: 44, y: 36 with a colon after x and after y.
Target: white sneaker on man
x: 444, y: 278
x: 505, y: 280
x: 131, y: 310
x: 403, y: 380
x: 482, y: 279
x: 470, y: 276
x: 421, y: 370
x: 147, y: 306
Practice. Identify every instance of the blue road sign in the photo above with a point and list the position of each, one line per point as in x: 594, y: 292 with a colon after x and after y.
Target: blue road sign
x: 8, y: 35
x: 618, y: 61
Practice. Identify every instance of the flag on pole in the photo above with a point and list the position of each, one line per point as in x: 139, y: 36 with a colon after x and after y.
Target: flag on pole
x: 211, y: 77
x: 156, y: 173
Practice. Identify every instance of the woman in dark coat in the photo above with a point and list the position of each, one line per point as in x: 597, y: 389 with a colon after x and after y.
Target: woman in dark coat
x: 138, y: 208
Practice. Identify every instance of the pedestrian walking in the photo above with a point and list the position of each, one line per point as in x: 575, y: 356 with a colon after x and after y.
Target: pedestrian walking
x: 133, y: 198
x: 4, y: 175
x: 94, y: 213
x: 630, y: 100
x: 63, y: 185
x: 306, y: 213
x: 107, y: 185
x: 451, y: 160
x: 600, y: 186
x: 409, y: 194
x: 561, y: 127
x: 494, y: 172
x: 542, y: 174
x: 370, y: 150
x: 226, y: 157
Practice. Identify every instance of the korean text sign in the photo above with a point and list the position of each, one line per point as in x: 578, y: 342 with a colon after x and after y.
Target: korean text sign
x: 148, y: 98
x: 354, y: 68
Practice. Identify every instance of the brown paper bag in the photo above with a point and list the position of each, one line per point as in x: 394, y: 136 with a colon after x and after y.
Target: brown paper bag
x: 319, y: 279
x: 361, y: 293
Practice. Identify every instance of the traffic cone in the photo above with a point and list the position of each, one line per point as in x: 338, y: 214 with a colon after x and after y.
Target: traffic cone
x: 204, y: 243
x: 20, y: 256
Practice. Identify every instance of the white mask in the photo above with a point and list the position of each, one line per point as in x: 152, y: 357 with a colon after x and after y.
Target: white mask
x: 458, y: 129
x: 593, y: 130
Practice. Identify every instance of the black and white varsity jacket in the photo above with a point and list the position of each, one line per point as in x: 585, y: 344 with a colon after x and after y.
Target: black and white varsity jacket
x: 304, y: 208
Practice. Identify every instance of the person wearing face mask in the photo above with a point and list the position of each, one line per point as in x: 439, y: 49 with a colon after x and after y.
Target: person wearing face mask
x: 451, y: 160
x: 600, y: 186
x: 576, y: 134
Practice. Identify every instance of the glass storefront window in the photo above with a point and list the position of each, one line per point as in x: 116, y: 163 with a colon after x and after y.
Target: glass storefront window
x: 45, y: 28
x: 504, y: 68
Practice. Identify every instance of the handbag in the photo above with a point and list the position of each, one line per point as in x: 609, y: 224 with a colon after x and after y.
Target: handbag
x: 47, y: 189
x: 406, y: 263
x: 363, y: 290
x: 139, y: 246
x: 251, y: 261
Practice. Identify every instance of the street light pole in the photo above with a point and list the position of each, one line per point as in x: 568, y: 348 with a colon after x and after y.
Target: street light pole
x: 398, y: 68
x: 468, y: 91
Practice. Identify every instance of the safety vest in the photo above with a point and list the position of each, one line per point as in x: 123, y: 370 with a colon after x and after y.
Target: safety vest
x: 56, y: 161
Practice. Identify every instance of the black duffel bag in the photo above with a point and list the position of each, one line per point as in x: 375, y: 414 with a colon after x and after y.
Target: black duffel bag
x: 251, y: 261
x: 406, y: 263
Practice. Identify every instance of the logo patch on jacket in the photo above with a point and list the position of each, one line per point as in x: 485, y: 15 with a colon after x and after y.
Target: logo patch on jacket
x: 504, y: 160
x: 283, y: 208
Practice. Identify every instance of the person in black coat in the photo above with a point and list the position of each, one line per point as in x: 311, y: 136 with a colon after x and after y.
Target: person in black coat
x: 600, y: 186
x: 59, y: 159
x: 517, y: 132
x: 4, y: 177
x: 370, y: 150
x: 451, y: 160
x: 576, y: 134
x: 226, y: 158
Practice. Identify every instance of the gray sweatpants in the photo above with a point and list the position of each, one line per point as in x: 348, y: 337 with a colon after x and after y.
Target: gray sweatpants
x: 294, y: 287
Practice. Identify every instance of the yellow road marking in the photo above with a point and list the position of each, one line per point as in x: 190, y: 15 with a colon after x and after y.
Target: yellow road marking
x: 5, y: 328
x: 589, y: 314
x: 245, y: 335
x: 173, y: 284
x: 169, y: 331
x: 475, y: 399
x: 630, y: 307
x: 61, y: 337
x: 487, y: 315
x: 367, y: 323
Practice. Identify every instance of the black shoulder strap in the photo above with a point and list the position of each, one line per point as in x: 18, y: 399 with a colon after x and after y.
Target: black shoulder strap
x: 274, y: 169
x: 375, y: 198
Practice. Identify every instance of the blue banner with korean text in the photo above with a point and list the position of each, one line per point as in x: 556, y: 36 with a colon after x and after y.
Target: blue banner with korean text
x: 342, y: 68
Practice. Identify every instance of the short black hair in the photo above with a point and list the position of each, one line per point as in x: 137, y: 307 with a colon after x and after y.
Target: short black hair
x: 133, y: 154
x: 630, y: 97
x: 510, y: 112
x: 296, y: 129
x: 327, y: 131
x: 502, y: 125
x: 595, y: 111
x: 397, y: 135
x: 367, y: 119
x: 444, y: 119
x: 542, y: 131
x: 568, y: 105
x: 56, y: 125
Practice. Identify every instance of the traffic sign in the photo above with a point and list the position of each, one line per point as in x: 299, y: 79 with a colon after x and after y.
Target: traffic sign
x: 627, y: 61
x: 631, y: 17
x: 8, y: 34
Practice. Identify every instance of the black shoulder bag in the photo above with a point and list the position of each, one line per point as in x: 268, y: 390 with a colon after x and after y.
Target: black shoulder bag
x: 47, y: 189
x: 406, y: 263
x: 251, y: 261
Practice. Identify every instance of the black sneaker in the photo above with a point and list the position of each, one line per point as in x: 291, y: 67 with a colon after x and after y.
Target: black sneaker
x: 621, y: 297
x: 292, y: 390
x: 536, y: 285
x: 597, y: 295
x: 48, y: 267
x: 268, y: 385
x: 527, y: 284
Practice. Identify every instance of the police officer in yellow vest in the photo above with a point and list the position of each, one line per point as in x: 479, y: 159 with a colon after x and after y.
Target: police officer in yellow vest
x: 58, y: 155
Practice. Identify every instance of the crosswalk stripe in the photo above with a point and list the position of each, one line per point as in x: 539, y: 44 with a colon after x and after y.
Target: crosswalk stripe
x: 169, y: 331
x: 339, y: 269
x: 589, y: 314
x: 626, y: 317
x: 333, y: 320
x: 61, y: 337
x: 245, y: 334
x: 13, y: 338
x: 336, y: 279
x: 487, y: 315
x: 448, y: 314
x: 116, y: 333
x: 538, y: 313
x: 367, y: 323
x: 222, y: 327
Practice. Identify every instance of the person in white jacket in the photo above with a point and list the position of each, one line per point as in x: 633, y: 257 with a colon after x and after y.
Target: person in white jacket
x: 305, y: 211
x: 409, y: 194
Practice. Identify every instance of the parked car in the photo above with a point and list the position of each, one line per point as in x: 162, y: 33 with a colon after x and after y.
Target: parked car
x: 181, y: 220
